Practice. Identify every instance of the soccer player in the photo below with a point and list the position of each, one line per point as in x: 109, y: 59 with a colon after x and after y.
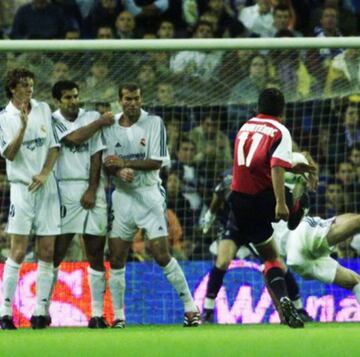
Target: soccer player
x: 82, y: 187
x: 263, y: 151
x: 136, y: 150
x: 30, y: 149
x: 308, y: 248
x: 227, y: 249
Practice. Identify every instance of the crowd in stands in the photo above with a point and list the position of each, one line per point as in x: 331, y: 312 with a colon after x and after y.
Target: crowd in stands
x: 183, y: 88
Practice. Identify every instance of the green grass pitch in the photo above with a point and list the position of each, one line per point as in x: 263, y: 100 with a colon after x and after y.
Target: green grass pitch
x: 338, y: 339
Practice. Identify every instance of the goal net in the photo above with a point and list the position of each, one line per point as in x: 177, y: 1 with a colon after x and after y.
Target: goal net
x: 204, y: 93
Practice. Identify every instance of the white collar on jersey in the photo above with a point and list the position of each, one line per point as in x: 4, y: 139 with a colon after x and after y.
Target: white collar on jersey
x: 12, y: 109
x: 57, y: 114
x: 143, y: 114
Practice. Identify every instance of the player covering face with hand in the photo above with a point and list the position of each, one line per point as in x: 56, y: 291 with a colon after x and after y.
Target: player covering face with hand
x: 30, y: 149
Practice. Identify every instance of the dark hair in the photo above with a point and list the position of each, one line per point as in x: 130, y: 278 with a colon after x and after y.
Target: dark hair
x: 14, y: 77
x: 281, y: 8
x: 236, y: 29
x: 203, y: 23
x: 131, y: 87
x: 265, y: 60
x: 271, y: 102
x: 184, y: 139
x: 61, y: 86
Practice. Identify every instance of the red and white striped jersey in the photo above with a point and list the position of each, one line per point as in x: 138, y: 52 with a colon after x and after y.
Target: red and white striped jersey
x: 261, y: 143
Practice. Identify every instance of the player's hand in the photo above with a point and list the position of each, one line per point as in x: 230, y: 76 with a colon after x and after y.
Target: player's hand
x: 88, y: 199
x: 126, y: 175
x: 114, y: 162
x: 207, y: 221
x: 302, y: 168
x: 281, y: 212
x: 107, y: 119
x: 24, y: 114
x: 37, y: 182
x: 313, y: 179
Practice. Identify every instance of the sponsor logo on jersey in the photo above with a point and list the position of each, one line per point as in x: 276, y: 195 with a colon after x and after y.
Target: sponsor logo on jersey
x: 78, y: 149
x: 32, y: 144
x: 142, y: 142
x: 138, y: 156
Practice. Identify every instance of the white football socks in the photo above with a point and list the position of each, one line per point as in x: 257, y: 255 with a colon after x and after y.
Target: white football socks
x: 117, y: 290
x: 176, y: 277
x: 10, y: 280
x: 44, y: 283
x: 97, y: 288
x: 53, y: 284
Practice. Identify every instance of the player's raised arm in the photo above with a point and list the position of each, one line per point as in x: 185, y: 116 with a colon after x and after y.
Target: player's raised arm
x: 66, y: 95
x: 83, y: 134
x: 12, y: 148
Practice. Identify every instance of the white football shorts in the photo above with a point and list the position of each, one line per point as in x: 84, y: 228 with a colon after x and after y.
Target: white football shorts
x: 38, y: 212
x: 143, y: 208
x: 308, y: 252
x: 75, y: 218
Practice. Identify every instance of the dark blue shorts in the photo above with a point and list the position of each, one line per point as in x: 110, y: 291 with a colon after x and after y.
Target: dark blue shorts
x: 251, y: 216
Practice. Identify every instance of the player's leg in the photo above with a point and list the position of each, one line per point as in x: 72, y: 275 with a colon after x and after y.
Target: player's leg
x: 348, y: 279
x: 118, y: 250
x: 345, y: 226
x: 44, y: 280
x: 274, y: 273
x: 47, y: 223
x: 20, y: 220
x: 329, y: 271
x: 62, y: 243
x: 173, y: 272
x: 294, y: 295
x: 18, y: 245
x: 226, y: 253
x: 94, y: 246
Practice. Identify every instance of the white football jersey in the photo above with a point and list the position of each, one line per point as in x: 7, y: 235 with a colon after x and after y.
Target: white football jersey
x: 38, y: 139
x: 306, y: 233
x: 145, y: 139
x: 74, y: 161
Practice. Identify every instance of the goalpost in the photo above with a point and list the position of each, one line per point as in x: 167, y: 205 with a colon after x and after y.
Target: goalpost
x: 204, y: 90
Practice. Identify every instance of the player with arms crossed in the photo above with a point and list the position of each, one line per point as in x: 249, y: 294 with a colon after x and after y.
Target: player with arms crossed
x: 82, y: 187
x: 263, y: 151
x: 30, y: 149
x: 136, y: 150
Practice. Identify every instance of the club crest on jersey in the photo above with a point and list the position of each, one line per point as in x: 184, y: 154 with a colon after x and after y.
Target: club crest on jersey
x: 142, y: 142
x: 43, y: 128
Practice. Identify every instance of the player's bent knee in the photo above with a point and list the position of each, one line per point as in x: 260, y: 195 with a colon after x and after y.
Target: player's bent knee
x: 18, y: 255
x: 270, y: 264
x: 46, y: 255
x: 96, y: 262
